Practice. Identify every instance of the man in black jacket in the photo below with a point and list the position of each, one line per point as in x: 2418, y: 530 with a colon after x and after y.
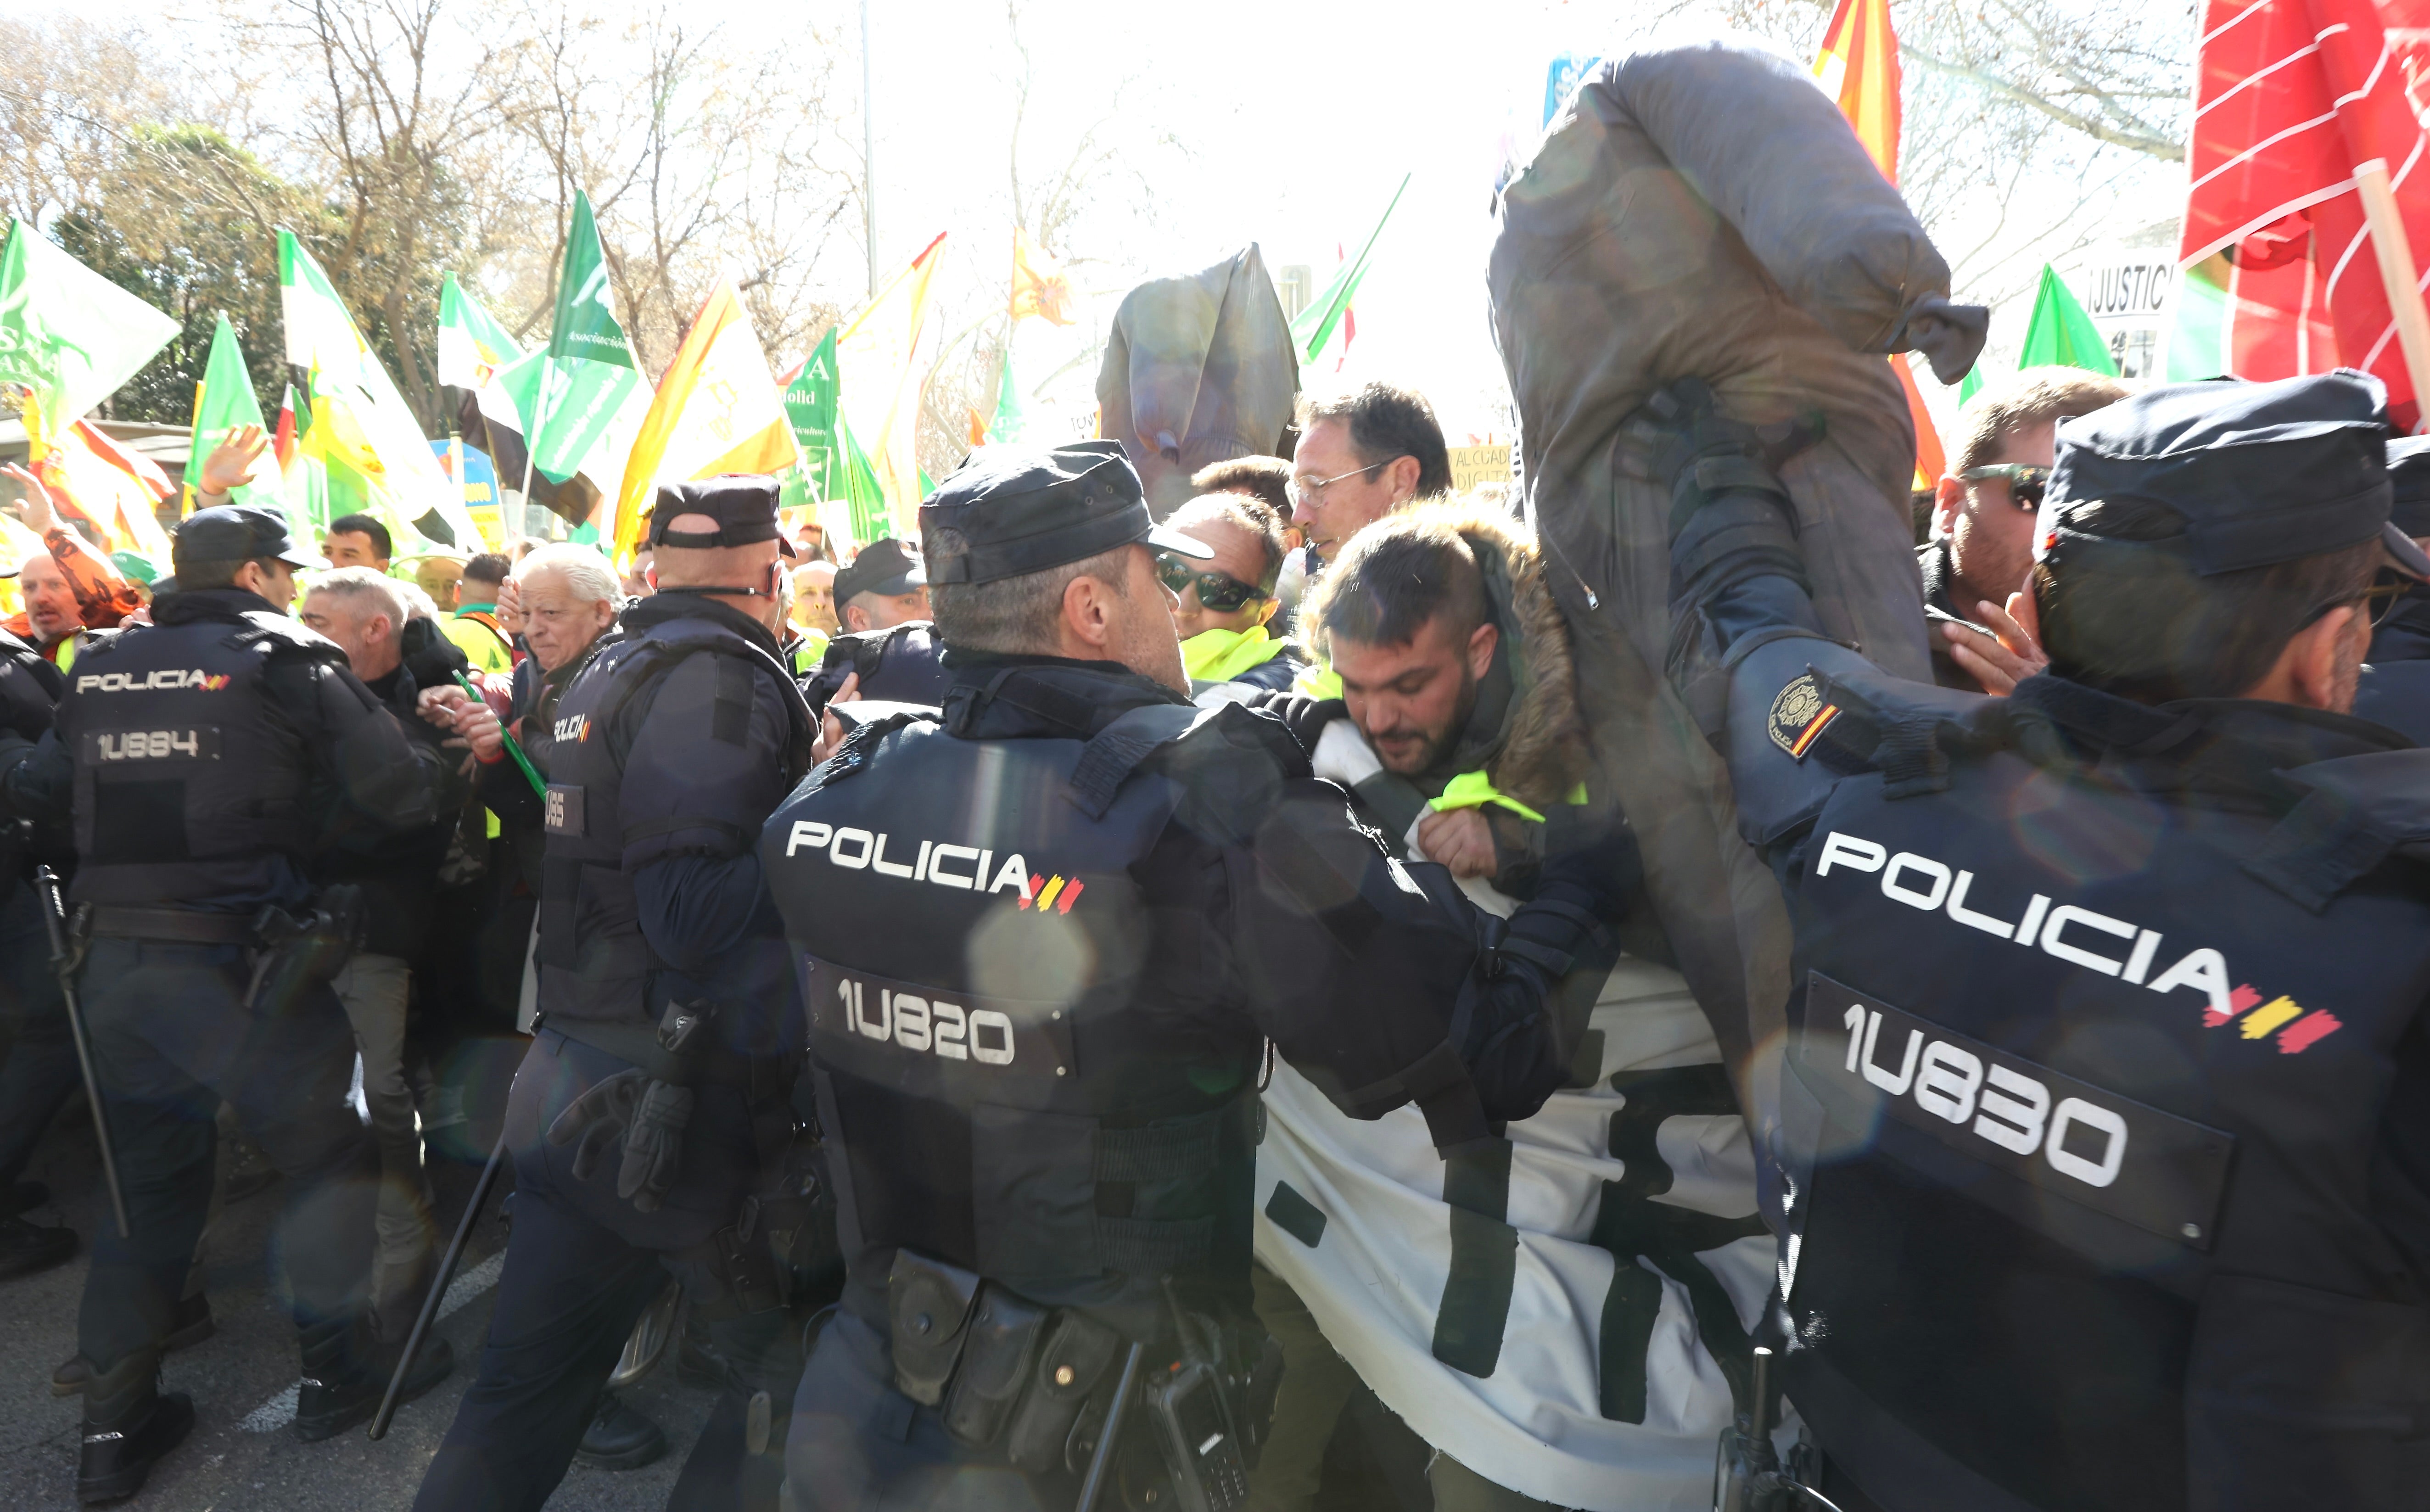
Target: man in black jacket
x: 398, y: 871
x: 38, y: 1070
x: 200, y: 756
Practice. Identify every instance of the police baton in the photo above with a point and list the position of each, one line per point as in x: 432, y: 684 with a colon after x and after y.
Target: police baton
x: 439, y: 1287
x: 1110, y: 1434
x: 514, y: 748
x: 46, y: 882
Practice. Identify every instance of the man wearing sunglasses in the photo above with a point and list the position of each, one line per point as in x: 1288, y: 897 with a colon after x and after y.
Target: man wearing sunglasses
x: 1983, y: 523
x: 1223, y: 605
x: 2104, y: 1058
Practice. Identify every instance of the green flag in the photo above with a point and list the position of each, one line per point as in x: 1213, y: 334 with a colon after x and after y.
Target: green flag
x: 363, y: 432
x: 67, y: 333
x: 1008, y: 422
x: 473, y: 346
x: 586, y: 325
x: 871, y: 519
x: 1315, y: 324
x: 584, y: 393
x: 225, y: 401
x: 810, y: 409
x: 2060, y: 334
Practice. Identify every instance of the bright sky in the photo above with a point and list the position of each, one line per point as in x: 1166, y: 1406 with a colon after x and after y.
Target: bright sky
x: 1293, y: 123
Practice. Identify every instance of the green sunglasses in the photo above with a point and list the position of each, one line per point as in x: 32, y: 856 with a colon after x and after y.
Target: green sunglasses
x: 1217, y: 593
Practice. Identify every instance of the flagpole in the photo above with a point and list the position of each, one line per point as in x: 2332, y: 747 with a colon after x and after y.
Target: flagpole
x: 2396, y: 273
x: 531, y: 442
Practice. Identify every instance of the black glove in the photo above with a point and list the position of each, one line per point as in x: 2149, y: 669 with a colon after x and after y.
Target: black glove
x: 650, y: 1115
x: 1730, y: 515
x: 1593, y: 862
x: 1305, y: 717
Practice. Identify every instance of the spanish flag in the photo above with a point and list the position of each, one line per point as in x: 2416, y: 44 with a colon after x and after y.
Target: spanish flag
x: 717, y: 410
x: 1858, y: 67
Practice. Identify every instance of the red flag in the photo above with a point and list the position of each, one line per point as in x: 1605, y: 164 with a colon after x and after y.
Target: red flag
x: 2293, y: 98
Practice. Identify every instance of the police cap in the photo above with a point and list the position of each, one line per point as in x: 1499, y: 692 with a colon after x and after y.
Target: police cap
x: 885, y: 567
x: 742, y: 504
x: 2261, y: 472
x: 1008, y: 511
x: 236, y: 533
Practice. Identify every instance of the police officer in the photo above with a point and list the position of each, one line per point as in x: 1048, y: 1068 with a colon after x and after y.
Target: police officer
x: 38, y: 1068
x: 2105, y: 1075
x: 199, y: 756
x: 888, y: 650
x: 650, y: 1117
x: 1044, y: 931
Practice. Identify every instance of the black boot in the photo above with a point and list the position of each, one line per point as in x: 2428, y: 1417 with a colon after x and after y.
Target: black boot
x: 191, y: 1326
x: 26, y: 1248
x: 345, y: 1376
x: 127, y: 1426
x: 619, y: 1437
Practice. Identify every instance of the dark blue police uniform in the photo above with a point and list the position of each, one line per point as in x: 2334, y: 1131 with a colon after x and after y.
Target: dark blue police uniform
x: 38, y: 1070
x: 200, y: 755
x: 2101, y: 1133
x: 651, y: 1116
x: 1043, y: 932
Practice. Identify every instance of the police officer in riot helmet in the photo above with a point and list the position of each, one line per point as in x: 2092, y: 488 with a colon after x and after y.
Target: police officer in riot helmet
x: 649, y: 1123
x: 1043, y: 932
x: 199, y: 756
x: 2106, y: 1081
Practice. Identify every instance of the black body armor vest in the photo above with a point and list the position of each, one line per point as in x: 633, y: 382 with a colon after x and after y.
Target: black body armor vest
x: 189, y: 787
x: 594, y: 962
x: 2089, y: 1088
x: 991, y: 1072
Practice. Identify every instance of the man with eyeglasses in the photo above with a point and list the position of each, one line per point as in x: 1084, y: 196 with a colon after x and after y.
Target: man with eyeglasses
x: 1361, y: 456
x: 1982, y: 524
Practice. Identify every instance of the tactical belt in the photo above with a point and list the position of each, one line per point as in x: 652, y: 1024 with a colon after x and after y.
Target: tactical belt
x: 1000, y: 1368
x: 765, y: 1076
x: 187, y: 926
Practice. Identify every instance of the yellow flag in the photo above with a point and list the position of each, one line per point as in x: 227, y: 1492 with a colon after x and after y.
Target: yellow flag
x: 1040, y: 286
x: 879, y: 384
x: 717, y: 410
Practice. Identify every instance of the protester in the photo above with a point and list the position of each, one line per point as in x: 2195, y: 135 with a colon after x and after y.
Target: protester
x: 1224, y: 604
x: 814, y: 601
x: 1268, y: 479
x: 474, y: 626
x: 72, y: 590
x: 1463, y: 741
x: 1983, y: 523
x: 357, y: 541
x: 438, y: 577
x: 1361, y: 456
x: 635, y: 579
x: 366, y: 614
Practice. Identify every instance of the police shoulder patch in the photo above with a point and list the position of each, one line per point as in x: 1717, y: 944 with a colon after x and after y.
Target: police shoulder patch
x: 1799, y: 715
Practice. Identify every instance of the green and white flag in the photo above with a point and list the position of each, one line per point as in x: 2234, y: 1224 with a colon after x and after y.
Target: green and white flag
x: 225, y: 401
x: 67, y: 333
x: 361, y: 426
x: 1315, y: 324
x: 473, y: 347
x: 585, y: 392
x: 833, y: 466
